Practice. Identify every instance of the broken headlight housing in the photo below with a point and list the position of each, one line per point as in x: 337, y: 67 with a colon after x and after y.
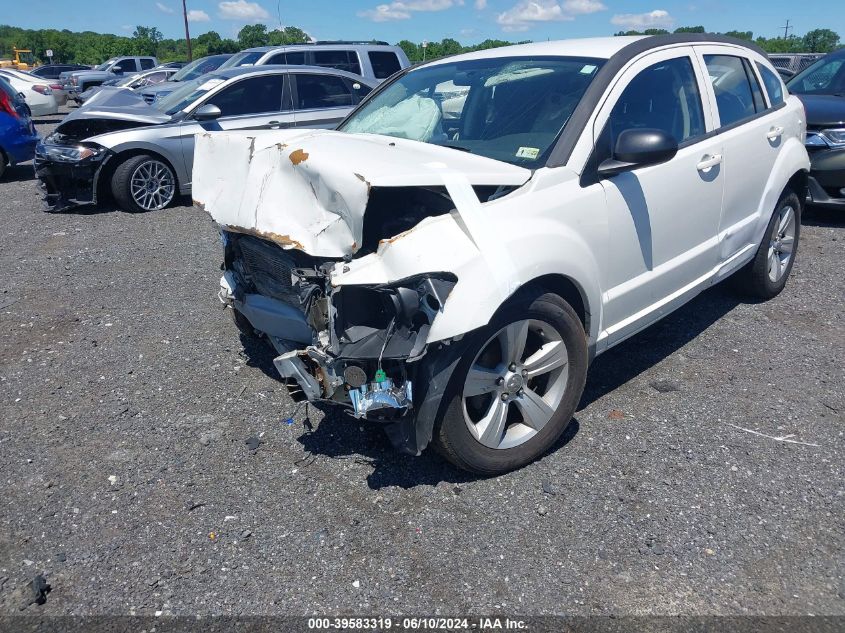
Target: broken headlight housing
x: 72, y: 153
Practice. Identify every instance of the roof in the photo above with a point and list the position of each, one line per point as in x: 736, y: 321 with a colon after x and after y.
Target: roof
x: 595, y: 47
x: 599, y: 47
x: 239, y: 71
x: 317, y: 46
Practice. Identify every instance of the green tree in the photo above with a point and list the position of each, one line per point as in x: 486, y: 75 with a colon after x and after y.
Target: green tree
x: 145, y: 40
x: 690, y: 29
x: 287, y: 35
x: 740, y: 35
x: 413, y: 51
x: 253, y: 35
x: 821, y: 41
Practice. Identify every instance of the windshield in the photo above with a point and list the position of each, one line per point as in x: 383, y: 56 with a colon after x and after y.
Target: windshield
x: 187, y: 93
x: 508, y: 108
x: 825, y: 77
x: 243, y: 58
x: 196, y: 68
x: 106, y: 64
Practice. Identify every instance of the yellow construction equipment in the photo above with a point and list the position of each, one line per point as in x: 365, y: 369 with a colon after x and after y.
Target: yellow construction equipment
x: 24, y: 60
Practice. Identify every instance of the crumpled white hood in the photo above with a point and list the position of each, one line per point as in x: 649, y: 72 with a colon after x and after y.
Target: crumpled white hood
x: 308, y: 189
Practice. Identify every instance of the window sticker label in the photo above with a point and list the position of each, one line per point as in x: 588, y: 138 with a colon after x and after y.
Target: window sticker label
x: 528, y: 152
x: 588, y: 69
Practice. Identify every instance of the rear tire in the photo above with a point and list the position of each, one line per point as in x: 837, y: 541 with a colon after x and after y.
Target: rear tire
x: 765, y: 276
x: 143, y: 183
x: 531, y: 394
x: 3, y: 162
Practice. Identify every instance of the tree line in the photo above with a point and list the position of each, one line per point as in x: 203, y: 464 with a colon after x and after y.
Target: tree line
x: 88, y: 47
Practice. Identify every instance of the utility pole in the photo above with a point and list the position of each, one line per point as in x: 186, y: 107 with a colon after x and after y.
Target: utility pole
x: 187, y: 32
x: 786, y: 28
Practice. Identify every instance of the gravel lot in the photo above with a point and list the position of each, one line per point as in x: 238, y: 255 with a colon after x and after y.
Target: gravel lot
x: 126, y: 399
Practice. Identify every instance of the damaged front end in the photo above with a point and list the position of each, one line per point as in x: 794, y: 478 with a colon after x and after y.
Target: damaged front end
x: 357, y: 345
x: 68, y: 163
x: 314, y: 235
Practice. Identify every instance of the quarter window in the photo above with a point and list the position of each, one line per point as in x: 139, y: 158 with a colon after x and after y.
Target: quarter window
x: 773, y: 85
x: 255, y: 95
x: 384, y: 63
x: 733, y: 88
x: 322, y: 91
x: 664, y: 96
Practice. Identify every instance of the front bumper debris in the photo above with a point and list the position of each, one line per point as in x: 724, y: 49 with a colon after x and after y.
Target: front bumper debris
x: 363, y: 346
x: 64, y: 184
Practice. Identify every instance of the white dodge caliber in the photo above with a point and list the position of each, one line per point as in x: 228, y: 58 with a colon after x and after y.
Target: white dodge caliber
x: 450, y: 259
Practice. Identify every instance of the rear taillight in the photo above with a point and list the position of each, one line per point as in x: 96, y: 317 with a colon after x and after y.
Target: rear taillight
x: 44, y: 90
x: 7, y: 106
x: 73, y: 80
x: 56, y: 87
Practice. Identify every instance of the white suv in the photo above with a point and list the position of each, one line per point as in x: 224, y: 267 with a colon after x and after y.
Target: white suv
x: 449, y: 261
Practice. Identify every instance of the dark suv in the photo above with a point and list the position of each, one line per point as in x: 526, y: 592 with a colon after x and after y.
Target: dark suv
x: 822, y: 89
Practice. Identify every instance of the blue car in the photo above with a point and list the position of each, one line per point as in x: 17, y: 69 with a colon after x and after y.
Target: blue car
x: 17, y: 132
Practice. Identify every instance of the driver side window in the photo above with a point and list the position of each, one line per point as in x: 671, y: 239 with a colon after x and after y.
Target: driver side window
x: 664, y: 96
x: 255, y: 95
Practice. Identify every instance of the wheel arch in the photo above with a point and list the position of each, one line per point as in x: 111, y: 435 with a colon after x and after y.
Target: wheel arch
x: 103, y: 185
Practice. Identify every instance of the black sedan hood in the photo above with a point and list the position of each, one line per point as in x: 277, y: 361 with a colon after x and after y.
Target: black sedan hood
x: 824, y: 111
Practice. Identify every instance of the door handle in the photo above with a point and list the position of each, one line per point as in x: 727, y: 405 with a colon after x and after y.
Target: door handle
x: 775, y: 133
x: 708, y: 161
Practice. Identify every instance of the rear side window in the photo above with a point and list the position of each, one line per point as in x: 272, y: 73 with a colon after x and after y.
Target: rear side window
x: 664, y: 96
x: 774, y: 87
x: 732, y: 85
x: 146, y: 64
x: 384, y: 63
x: 126, y: 65
x: 255, y: 95
x: 295, y: 59
x: 322, y: 91
x: 342, y: 60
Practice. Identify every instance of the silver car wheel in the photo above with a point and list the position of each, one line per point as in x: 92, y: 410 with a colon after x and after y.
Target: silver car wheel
x: 152, y: 185
x: 515, y: 384
x: 781, y: 243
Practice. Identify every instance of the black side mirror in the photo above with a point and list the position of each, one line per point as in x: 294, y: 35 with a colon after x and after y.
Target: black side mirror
x: 207, y: 112
x: 639, y: 148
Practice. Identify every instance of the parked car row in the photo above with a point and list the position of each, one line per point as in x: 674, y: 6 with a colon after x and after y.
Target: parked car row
x: 17, y: 132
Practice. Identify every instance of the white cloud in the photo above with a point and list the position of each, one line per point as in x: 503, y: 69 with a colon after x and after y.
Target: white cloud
x: 164, y: 8
x: 197, y: 15
x: 526, y: 13
x: 242, y: 10
x: 480, y: 4
x: 583, y: 7
x: 402, y: 9
x: 657, y: 19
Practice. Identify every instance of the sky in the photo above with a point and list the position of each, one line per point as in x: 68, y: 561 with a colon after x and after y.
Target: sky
x: 468, y: 21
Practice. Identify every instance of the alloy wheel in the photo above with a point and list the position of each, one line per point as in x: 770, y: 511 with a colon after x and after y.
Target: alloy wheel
x: 515, y: 384
x: 781, y: 243
x: 152, y: 185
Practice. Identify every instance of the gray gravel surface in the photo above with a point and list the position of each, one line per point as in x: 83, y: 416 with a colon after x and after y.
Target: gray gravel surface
x: 127, y: 402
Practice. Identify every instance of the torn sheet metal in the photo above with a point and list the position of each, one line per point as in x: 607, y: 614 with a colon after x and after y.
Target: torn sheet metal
x: 309, y: 189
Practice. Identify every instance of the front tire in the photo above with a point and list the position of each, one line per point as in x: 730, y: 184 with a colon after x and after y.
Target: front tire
x: 765, y: 276
x: 515, y: 391
x: 143, y: 183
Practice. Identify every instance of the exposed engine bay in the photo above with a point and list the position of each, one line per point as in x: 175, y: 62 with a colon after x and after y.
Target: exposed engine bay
x: 320, y: 258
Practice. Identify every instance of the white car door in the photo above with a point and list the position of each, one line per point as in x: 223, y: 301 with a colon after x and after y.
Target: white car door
x: 751, y: 132
x: 662, y: 219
